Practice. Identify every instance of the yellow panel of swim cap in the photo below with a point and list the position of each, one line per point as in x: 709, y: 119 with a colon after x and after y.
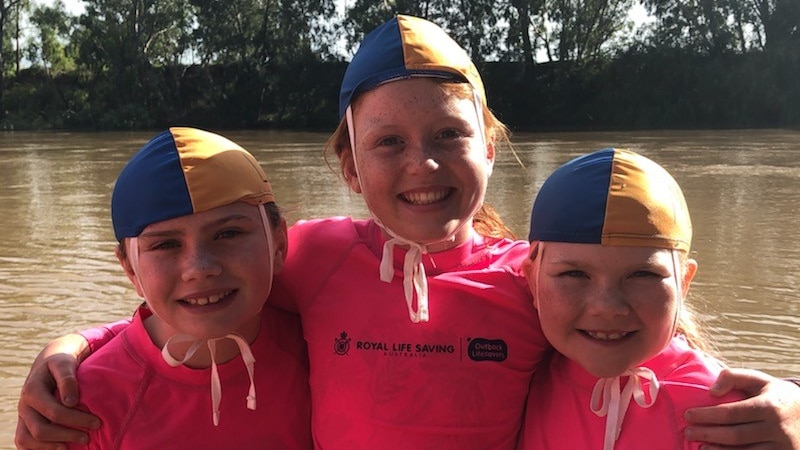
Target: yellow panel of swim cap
x: 218, y: 171
x: 427, y: 47
x: 645, y: 207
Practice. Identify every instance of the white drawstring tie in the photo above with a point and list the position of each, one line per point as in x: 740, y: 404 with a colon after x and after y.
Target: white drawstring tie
x: 216, y: 387
x: 608, y: 400
x: 414, y: 278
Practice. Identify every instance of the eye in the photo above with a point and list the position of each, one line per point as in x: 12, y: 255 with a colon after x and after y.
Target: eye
x: 228, y: 234
x: 451, y: 133
x: 389, y: 141
x: 573, y: 274
x: 647, y: 274
x: 164, y: 245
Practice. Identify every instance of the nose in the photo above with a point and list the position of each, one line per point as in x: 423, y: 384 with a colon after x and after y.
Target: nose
x: 199, y: 262
x: 608, y: 302
x: 421, y: 157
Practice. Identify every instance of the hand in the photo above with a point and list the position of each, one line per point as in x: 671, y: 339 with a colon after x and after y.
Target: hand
x: 44, y: 421
x: 768, y: 418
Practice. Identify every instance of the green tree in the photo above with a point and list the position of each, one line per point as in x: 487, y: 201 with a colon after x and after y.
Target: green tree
x: 477, y: 25
x: 582, y: 30
x: 9, y: 13
x: 699, y: 25
x: 48, y: 42
x: 124, y: 47
x: 258, y: 32
x: 522, y: 17
x: 777, y: 23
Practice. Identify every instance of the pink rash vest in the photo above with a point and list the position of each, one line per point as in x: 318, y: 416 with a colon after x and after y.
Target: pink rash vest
x: 145, y: 403
x: 561, y: 416
x: 378, y: 380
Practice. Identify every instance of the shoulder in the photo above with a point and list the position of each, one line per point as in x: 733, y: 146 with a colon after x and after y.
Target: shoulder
x: 121, y: 362
x: 679, y: 363
x: 284, y: 330
x: 506, y: 251
x: 317, y: 229
x: 686, y: 376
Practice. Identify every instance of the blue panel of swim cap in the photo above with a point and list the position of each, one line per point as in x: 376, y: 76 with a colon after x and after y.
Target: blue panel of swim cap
x: 571, y: 204
x: 379, y: 58
x: 150, y: 188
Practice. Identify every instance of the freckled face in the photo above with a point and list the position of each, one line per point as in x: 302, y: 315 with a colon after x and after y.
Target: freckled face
x: 422, y: 164
x: 607, y: 308
x: 207, y: 274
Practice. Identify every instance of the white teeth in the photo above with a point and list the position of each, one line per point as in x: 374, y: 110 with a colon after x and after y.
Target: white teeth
x: 603, y: 336
x: 206, y: 300
x: 424, y: 198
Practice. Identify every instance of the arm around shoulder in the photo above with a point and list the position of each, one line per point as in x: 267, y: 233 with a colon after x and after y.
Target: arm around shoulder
x: 44, y: 419
x: 770, y: 415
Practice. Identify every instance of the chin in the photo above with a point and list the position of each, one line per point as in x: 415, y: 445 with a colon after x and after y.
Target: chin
x: 604, y: 370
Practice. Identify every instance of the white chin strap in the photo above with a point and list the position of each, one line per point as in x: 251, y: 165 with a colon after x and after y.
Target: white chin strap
x: 244, y: 347
x: 415, y: 280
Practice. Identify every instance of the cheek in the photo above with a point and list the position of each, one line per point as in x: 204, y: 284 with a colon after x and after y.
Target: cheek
x: 155, y: 275
x: 557, y: 308
x: 657, y: 308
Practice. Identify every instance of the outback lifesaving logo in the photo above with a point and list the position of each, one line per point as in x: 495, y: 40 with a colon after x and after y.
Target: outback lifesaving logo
x: 475, y: 349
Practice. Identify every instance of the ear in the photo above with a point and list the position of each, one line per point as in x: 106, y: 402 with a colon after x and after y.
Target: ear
x: 490, y: 150
x: 126, y: 266
x: 348, y: 163
x: 281, y: 241
x: 528, y: 270
x: 490, y: 154
x: 688, y: 275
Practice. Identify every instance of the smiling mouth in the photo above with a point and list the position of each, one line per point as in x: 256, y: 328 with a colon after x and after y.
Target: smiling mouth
x: 201, y: 301
x: 425, y: 198
x: 607, y: 336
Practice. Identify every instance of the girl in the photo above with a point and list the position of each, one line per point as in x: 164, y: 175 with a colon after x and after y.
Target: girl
x: 421, y: 331
x: 200, y: 238
x: 609, y: 269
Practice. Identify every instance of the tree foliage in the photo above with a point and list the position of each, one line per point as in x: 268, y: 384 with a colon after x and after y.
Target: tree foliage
x: 252, y: 63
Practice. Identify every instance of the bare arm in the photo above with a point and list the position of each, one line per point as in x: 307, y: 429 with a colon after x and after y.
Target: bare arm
x: 768, y: 419
x: 46, y: 422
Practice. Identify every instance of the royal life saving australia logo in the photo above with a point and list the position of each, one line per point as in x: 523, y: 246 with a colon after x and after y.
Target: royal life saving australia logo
x: 476, y: 349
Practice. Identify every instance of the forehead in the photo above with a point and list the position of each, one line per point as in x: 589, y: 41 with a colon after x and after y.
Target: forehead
x: 568, y: 252
x: 414, y: 96
x: 204, y: 219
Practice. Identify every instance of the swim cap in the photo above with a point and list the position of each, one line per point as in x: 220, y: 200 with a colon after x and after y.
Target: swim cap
x: 612, y: 197
x: 184, y: 171
x: 405, y: 47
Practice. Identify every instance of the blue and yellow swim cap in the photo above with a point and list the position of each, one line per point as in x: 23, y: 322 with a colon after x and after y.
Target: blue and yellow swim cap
x: 184, y: 171
x: 612, y: 197
x: 405, y: 47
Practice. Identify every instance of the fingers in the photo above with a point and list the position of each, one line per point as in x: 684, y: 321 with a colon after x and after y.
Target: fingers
x: 44, y: 423
x: 751, y: 382
x: 740, y: 412
x: 63, y: 367
x: 750, y: 435
x: 762, y: 446
x: 35, y: 433
x: 39, y: 407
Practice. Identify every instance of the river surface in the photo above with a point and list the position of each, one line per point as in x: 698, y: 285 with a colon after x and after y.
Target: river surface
x: 58, y: 272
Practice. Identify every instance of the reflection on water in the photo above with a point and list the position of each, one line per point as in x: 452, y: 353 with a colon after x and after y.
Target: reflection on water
x: 58, y: 272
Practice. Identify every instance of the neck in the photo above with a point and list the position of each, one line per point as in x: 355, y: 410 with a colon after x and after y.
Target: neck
x: 454, y: 240
x: 226, y: 349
